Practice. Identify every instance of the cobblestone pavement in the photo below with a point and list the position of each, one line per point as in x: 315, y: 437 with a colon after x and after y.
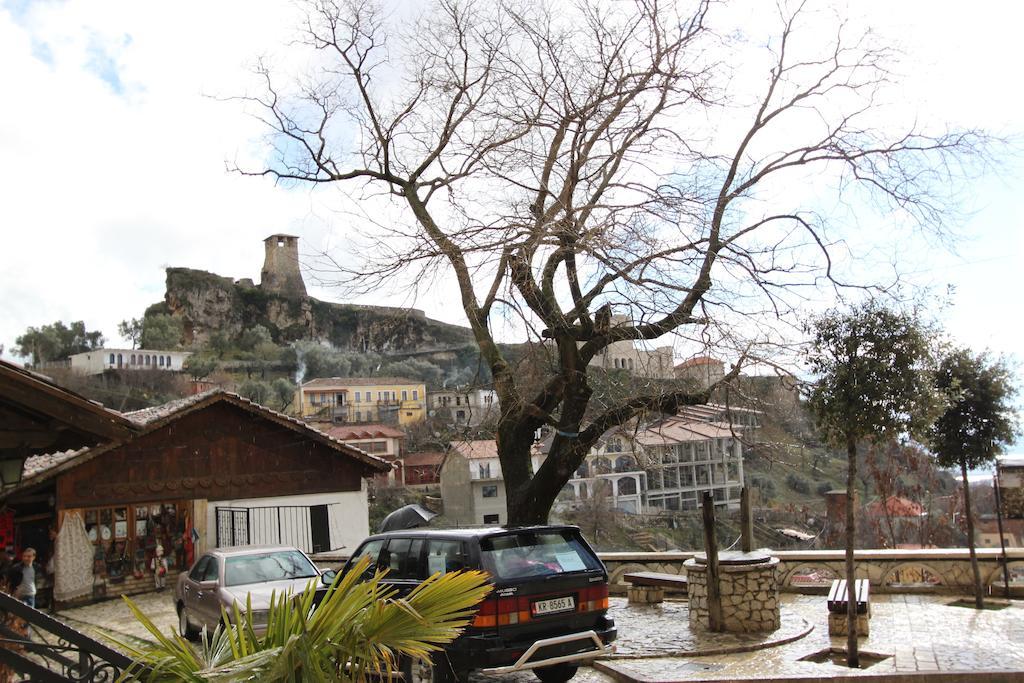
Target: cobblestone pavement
x: 922, y: 633
x: 664, y: 630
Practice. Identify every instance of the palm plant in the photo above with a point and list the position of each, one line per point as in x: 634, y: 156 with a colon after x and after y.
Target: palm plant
x: 358, y: 631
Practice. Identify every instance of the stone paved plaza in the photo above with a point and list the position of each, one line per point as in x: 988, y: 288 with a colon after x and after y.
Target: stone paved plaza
x: 922, y: 633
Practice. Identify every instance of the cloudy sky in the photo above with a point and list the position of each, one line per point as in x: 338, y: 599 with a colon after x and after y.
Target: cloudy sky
x: 113, y: 146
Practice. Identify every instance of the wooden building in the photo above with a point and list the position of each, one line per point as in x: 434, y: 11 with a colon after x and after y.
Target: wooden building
x: 212, y: 469
x: 38, y: 417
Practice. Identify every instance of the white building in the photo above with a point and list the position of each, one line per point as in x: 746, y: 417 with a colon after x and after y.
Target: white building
x: 472, y: 486
x: 464, y: 408
x: 669, y: 464
x: 99, y: 361
x: 611, y: 472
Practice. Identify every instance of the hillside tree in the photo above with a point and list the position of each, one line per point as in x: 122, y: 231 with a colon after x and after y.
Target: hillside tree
x: 592, y: 173
x: 161, y: 331
x: 873, y: 383
x: 57, y: 341
x: 131, y: 330
x: 976, y: 425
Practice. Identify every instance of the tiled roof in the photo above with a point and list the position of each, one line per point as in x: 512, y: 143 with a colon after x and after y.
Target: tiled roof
x: 896, y: 506
x: 40, y: 463
x: 679, y: 431
x: 151, y: 418
x: 145, y: 416
x: 477, y: 450
x: 358, y: 382
x: 362, y: 431
x: 417, y: 459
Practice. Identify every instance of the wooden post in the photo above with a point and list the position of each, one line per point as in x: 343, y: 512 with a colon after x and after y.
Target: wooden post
x: 711, y: 551
x: 1002, y: 539
x: 746, y: 521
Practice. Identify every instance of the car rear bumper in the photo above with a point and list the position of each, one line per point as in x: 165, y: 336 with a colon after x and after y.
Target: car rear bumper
x: 495, y: 655
x: 528, y: 659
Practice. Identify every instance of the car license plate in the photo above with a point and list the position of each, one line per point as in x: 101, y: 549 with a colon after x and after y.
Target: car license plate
x: 554, y: 605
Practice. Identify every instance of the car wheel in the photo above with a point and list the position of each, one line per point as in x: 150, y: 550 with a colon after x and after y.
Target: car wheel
x: 557, y: 673
x: 187, y: 630
x: 439, y: 671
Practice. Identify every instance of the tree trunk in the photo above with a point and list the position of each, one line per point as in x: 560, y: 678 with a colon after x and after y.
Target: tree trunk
x: 852, y: 653
x: 979, y: 598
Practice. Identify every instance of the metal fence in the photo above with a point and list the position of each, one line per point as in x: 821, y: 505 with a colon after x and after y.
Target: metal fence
x: 307, y: 527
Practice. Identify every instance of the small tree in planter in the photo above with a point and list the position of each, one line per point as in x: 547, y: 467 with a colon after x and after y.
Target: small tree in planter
x: 976, y: 425
x: 872, y: 366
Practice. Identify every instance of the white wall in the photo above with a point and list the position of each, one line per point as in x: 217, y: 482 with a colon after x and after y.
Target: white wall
x: 348, y: 518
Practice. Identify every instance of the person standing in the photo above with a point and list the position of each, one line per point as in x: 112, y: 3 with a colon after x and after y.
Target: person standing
x: 22, y: 577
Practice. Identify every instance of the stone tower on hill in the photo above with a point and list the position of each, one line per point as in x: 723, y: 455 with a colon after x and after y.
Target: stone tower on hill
x: 280, y: 273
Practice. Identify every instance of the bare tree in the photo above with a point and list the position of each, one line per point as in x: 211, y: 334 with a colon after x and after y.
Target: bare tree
x: 567, y: 162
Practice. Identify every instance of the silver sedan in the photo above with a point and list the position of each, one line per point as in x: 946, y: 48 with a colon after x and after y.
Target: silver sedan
x: 223, y: 577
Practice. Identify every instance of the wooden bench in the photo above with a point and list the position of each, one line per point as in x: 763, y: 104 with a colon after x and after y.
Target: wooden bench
x: 837, y: 605
x: 649, y: 587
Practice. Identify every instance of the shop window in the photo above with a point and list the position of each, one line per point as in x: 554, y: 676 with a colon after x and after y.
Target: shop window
x: 125, y: 537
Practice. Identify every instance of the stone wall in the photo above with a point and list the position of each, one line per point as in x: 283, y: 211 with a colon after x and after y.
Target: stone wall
x: 943, y: 570
x: 750, y: 596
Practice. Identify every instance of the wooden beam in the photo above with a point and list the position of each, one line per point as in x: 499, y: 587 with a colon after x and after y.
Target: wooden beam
x: 746, y: 521
x: 35, y: 440
x: 32, y: 396
x: 715, y: 621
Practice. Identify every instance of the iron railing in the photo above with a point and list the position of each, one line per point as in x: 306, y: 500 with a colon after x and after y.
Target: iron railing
x: 50, y: 650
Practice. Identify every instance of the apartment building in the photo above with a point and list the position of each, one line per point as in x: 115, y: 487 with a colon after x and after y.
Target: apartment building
x: 389, y: 400
x: 463, y: 408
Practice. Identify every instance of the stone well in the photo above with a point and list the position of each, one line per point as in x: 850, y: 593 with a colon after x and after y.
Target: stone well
x: 749, y: 589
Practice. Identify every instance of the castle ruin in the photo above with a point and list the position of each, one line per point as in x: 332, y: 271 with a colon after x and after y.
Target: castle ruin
x: 280, y: 274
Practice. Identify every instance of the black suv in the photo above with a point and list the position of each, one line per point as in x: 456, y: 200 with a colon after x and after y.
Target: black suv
x: 548, y: 609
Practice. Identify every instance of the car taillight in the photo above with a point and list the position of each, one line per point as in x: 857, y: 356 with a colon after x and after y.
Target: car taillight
x: 593, y: 598
x: 502, y: 612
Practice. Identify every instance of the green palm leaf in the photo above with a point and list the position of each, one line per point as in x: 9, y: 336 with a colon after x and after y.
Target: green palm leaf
x: 359, y: 630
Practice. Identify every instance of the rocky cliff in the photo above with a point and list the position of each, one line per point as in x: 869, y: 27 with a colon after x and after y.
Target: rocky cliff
x: 207, y: 303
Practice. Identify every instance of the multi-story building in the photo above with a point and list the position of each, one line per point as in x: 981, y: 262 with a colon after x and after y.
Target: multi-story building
x: 391, y: 400
x: 1010, y: 469
x: 669, y: 464
x: 99, y: 361
x: 472, y: 486
x: 610, y: 473
x: 690, y: 453
x: 464, y: 408
x: 384, y: 441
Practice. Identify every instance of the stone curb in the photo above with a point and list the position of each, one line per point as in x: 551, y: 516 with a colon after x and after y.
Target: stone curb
x: 1005, y: 676
x: 726, y: 650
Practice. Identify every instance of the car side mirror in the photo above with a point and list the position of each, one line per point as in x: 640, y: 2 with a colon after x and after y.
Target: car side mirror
x: 327, y: 578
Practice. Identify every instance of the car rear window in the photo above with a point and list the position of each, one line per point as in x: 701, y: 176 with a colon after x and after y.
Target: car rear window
x: 271, y: 566
x: 525, y: 554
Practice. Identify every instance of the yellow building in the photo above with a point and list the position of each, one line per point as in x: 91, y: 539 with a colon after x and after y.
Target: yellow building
x: 393, y: 400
